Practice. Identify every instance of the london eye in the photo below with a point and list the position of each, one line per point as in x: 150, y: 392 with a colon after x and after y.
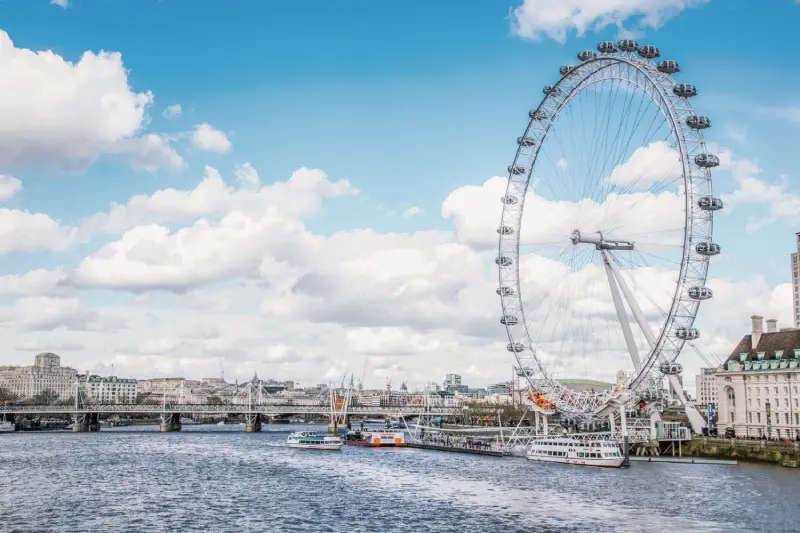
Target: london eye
x: 606, y: 231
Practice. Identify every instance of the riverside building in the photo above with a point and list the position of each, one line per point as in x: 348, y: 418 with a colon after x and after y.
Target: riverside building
x: 758, y: 386
x: 111, y: 390
x: 45, y: 377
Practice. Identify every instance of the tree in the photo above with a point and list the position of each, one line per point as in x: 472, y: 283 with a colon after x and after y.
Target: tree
x: 45, y: 397
x: 6, y: 395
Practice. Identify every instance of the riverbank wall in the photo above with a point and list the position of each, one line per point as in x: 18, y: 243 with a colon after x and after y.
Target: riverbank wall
x: 761, y: 451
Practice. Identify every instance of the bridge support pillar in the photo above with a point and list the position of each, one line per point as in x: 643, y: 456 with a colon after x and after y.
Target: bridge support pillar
x: 170, y: 422
x: 87, y: 423
x: 252, y: 423
x: 340, y: 425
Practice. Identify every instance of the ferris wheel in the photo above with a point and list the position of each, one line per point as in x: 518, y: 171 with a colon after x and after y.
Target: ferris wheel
x: 606, y: 231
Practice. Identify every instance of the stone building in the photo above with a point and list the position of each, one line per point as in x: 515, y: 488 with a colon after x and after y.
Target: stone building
x: 111, y: 390
x: 758, y: 386
x: 45, y: 376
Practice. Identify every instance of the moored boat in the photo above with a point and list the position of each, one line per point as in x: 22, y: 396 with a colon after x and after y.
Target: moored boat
x: 6, y: 427
x: 573, y: 451
x: 313, y: 441
x: 376, y: 439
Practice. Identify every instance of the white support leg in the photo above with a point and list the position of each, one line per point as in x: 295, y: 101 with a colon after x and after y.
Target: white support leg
x: 622, y: 315
x: 697, y: 421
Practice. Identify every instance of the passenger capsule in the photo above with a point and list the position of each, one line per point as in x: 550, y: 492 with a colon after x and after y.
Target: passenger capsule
x: 648, y: 51
x: 516, y: 170
x: 527, y: 141
x: 550, y: 90
x: 586, y: 55
x: 504, y: 291
x: 509, y: 320
x: 706, y: 160
x: 671, y: 369
x: 606, y: 47
x: 565, y: 70
x: 668, y: 66
x: 687, y: 334
x: 504, y: 261
x: 698, y: 122
x: 709, y: 203
x: 537, y: 114
x: 707, y: 248
x: 684, y: 90
x: 509, y: 199
x: 505, y: 230
x: 700, y: 293
x: 515, y: 347
x: 628, y: 45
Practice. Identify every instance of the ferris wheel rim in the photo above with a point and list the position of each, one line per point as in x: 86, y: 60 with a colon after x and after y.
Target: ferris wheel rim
x: 660, y: 82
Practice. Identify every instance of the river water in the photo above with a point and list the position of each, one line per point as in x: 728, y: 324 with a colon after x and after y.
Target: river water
x: 220, y: 479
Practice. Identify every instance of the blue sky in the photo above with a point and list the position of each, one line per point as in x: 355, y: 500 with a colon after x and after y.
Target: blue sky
x: 408, y: 102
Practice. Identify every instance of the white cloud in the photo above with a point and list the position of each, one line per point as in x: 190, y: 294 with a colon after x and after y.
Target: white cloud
x: 23, y: 231
x: 254, y: 285
x: 209, y: 139
x: 476, y: 212
x: 656, y: 163
x: 173, y: 111
x: 247, y: 175
x: 44, y: 313
x: 555, y: 19
x: 68, y: 114
x: 34, y: 283
x: 411, y: 211
x: 9, y: 187
x: 302, y: 194
x: 780, y: 200
x: 60, y: 3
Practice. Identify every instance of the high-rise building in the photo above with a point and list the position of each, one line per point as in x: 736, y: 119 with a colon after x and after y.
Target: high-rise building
x: 706, y: 388
x: 796, y: 282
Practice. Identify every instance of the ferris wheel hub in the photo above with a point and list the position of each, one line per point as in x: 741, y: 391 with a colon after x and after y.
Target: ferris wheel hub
x: 600, y: 242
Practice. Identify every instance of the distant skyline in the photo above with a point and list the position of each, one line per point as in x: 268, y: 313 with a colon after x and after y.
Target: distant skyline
x: 300, y: 187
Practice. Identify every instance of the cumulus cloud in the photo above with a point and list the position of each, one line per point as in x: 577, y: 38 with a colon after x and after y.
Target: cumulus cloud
x: 301, y: 195
x: 209, y: 139
x: 781, y: 202
x: 34, y: 283
x: 60, y: 3
x: 23, y: 231
x: 9, y: 187
x: 68, y: 114
x: 655, y: 163
x: 555, y: 19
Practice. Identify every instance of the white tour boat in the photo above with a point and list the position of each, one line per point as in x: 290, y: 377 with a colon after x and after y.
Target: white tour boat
x: 576, y: 452
x: 314, y: 441
x: 6, y: 427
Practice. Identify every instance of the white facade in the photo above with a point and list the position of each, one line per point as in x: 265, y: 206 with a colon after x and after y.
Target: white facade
x: 111, y: 390
x: 758, y: 387
x: 705, y: 388
x: 45, y: 375
x: 796, y: 283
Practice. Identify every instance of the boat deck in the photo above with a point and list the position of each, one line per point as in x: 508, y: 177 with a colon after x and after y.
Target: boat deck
x: 475, y: 451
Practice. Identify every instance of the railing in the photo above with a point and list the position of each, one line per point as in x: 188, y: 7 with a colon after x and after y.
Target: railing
x: 271, y: 409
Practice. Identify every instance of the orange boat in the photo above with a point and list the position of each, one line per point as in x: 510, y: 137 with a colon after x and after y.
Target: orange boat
x: 376, y: 439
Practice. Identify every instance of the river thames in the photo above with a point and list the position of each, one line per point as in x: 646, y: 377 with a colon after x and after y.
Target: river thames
x: 220, y: 479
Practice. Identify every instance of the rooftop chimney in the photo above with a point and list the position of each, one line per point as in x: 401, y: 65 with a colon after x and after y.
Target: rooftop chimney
x: 758, y: 329
x: 772, y: 325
